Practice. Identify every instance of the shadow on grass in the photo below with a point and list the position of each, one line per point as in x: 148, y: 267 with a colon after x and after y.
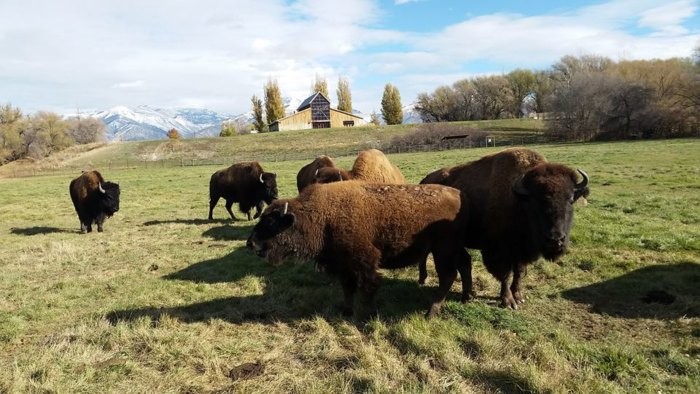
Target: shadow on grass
x: 657, y: 292
x: 42, y: 230
x: 229, y: 233
x: 196, y: 222
x: 292, y: 292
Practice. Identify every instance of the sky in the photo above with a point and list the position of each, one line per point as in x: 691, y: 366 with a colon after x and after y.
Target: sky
x: 86, y: 55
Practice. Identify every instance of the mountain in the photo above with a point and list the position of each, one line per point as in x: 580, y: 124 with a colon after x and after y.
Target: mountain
x: 150, y: 123
x: 146, y: 123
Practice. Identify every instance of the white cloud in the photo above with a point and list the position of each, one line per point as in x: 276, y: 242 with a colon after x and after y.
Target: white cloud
x: 218, y: 54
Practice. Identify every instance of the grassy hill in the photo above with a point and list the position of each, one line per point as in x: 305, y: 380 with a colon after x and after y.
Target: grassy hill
x: 166, y: 301
x: 290, y: 145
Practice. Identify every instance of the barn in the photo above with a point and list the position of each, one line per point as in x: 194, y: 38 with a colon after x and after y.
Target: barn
x: 316, y: 113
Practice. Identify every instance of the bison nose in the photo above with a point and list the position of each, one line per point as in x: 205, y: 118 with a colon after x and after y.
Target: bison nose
x: 557, y: 241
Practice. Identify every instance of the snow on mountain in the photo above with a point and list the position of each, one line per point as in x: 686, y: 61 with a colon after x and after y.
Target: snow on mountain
x: 410, y: 115
x: 150, y: 123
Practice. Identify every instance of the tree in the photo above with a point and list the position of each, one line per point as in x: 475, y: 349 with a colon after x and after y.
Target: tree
x: 87, y: 130
x: 319, y: 85
x: 274, y: 106
x: 258, y: 117
x: 46, y: 133
x: 11, y: 129
x: 375, y: 119
x: 391, y: 105
x: 521, y: 84
x: 344, y: 96
x: 228, y: 129
x: 493, y: 95
x: 173, y: 134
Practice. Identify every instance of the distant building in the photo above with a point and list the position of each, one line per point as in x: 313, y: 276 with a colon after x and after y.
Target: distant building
x: 316, y: 113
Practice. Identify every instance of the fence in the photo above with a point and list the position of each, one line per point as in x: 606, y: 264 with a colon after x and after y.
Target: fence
x: 36, y: 169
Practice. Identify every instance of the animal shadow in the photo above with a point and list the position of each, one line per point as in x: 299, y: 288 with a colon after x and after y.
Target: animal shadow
x: 293, y: 291
x: 229, y: 233
x: 42, y: 230
x: 196, y: 222
x: 662, y: 292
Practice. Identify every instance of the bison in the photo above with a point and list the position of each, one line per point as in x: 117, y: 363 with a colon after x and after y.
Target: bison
x: 348, y: 230
x: 370, y: 166
x: 520, y: 208
x: 307, y: 174
x: 94, y: 199
x: 245, y: 183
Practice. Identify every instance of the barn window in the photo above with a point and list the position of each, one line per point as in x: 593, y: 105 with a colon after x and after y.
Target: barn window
x: 348, y: 123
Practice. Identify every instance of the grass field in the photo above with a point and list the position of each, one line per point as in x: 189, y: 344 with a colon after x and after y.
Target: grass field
x: 166, y: 301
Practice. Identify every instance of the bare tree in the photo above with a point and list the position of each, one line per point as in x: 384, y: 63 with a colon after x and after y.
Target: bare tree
x: 319, y: 85
x: 87, y: 130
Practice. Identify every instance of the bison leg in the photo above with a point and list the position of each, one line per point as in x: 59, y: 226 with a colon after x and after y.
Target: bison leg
x: 349, y: 284
x: 422, y: 271
x: 464, y: 266
x: 519, y: 271
x: 212, y: 203
x: 100, y: 221
x: 507, y: 300
x: 229, y: 204
x: 258, y: 210
x: 447, y: 273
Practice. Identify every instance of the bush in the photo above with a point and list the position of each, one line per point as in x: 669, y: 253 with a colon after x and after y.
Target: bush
x: 433, y: 135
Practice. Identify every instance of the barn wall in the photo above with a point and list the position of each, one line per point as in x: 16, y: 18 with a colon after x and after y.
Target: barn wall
x: 338, y: 117
x: 298, y: 121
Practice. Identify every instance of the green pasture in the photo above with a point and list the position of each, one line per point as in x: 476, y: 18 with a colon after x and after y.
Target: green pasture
x: 165, y: 301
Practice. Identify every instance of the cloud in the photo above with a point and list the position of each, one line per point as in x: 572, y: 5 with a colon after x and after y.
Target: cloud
x: 218, y: 54
x: 401, y: 2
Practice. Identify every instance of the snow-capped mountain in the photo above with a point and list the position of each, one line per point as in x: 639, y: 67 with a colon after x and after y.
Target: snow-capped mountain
x: 145, y: 122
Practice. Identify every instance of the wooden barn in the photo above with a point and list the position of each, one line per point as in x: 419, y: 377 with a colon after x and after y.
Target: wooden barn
x: 316, y: 113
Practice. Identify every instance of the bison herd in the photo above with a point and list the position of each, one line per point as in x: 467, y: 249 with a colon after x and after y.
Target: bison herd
x: 514, y: 206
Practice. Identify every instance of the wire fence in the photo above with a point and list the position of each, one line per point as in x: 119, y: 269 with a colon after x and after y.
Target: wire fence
x: 40, y: 169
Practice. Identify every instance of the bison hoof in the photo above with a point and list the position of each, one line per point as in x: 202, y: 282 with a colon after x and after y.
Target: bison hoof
x: 468, y: 297
x: 509, y: 304
x: 518, y: 297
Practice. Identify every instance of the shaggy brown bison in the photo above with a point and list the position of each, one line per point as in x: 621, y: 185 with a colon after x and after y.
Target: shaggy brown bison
x: 245, y: 183
x: 370, y: 166
x: 307, y: 174
x: 94, y: 199
x: 348, y: 230
x: 520, y: 208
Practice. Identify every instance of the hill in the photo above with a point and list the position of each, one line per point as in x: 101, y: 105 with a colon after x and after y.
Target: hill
x: 289, y: 145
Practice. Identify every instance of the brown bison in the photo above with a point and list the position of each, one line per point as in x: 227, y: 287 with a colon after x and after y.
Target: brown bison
x: 370, y: 166
x: 94, y: 199
x: 348, y: 230
x: 245, y: 183
x: 520, y: 208
x: 307, y: 174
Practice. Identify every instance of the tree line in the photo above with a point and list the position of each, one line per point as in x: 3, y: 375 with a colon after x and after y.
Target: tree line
x: 584, y: 98
x: 43, y: 133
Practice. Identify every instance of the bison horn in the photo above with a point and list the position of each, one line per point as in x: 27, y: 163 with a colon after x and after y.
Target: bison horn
x: 583, y: 182
x: 519, y: 188
x: 99, y: 186
x: 261, y: 180
x: 340, y: 176
x: 286, y: 205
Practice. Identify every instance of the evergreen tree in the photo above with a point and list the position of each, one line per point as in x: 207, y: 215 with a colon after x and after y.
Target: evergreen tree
x: 258, y: 118
x: 320, y: 85
x: 344, y: 97
x: 274, y: 106
x: 391, y: 105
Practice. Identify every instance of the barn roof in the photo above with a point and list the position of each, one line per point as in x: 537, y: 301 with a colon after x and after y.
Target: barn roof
x: 306, y: 103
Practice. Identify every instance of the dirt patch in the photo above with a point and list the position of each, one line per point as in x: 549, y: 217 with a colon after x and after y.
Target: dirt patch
x: 246, y: 371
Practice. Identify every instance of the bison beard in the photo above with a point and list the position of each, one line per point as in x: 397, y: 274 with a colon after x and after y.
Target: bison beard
x: 94, y: 199
x: 348, y: 230
x: 521, y: 208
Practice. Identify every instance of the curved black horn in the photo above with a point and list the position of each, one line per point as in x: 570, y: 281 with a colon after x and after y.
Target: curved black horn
x: 519, y: 188
x: 99, y: 186
x: 584, y: 181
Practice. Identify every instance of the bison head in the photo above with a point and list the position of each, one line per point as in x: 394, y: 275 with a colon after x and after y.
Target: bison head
x: 109, y: 197
x: 330, y: 174
x: 548, y: 192
x: 267, y: 187
x: 267, y: 239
